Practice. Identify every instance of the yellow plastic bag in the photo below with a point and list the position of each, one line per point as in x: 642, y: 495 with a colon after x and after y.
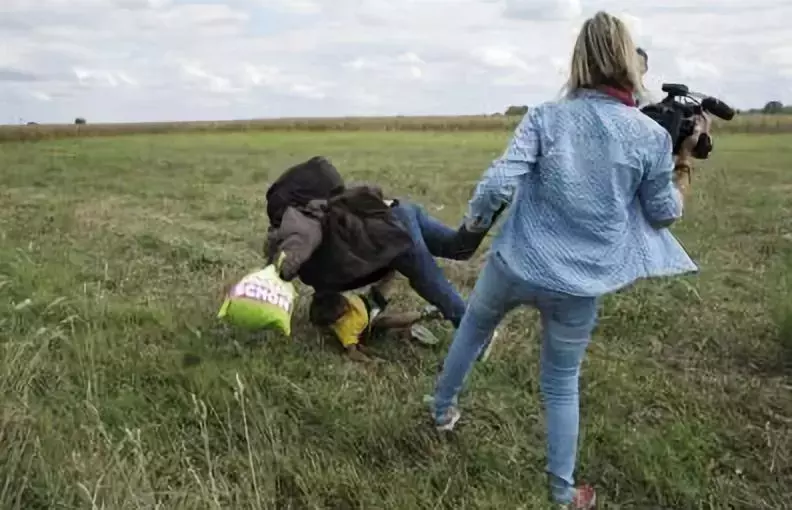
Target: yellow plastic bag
x: 261, y: 300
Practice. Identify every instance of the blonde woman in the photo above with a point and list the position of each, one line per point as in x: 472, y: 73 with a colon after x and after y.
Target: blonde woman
x: 592, y: 185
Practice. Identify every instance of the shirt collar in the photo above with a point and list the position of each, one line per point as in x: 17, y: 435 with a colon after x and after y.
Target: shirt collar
x: 619, y: 95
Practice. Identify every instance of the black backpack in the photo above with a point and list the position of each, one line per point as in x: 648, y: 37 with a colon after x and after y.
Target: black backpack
x: 314, y: 179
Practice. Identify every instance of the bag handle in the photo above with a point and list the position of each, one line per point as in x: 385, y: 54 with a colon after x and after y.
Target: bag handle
x: 279, y: 261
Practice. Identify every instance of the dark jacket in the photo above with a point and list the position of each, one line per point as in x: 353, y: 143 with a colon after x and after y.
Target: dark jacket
x: 345, y: 242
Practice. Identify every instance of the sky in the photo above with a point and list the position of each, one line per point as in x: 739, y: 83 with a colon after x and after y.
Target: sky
x: 166, y: 60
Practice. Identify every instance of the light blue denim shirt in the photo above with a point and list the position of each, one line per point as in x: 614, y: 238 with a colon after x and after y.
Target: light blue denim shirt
x: 589, y: 183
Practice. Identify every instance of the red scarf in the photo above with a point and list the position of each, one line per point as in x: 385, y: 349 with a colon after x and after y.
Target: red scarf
x: 620, y: 94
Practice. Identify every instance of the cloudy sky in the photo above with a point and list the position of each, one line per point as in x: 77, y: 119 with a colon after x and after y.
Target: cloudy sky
x: 140, y: 60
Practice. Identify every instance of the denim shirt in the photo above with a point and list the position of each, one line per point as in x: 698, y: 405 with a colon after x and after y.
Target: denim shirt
x: 589, y: 183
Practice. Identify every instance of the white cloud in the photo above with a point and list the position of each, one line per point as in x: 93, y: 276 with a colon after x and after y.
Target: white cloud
x: 693, y: 68
x: 41, y: 96
x: 275, y: 80
x: 142, y: 4
x: 169, y: 59
x: 195, y: 73
x: 780, y: 58
x: 307, y: 91
x: 499, y: 57
x: 263, y: 75
x: 634, y: 24
x: 95, y: 77
x: 294, y: 6
x: 405, y: 65
x: 410, y: 58
x: 543, y: 9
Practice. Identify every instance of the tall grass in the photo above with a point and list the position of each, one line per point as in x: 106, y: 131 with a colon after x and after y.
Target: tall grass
x: 119, y: 390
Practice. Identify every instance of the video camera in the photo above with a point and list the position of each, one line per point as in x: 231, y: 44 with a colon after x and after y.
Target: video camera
x: 677, y: 111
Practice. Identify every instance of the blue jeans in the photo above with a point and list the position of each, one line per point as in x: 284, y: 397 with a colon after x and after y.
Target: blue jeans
x: 567, y: 323
x: 431, y: 239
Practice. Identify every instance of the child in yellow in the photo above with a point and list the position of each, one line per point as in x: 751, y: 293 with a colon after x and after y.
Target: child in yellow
x: 351, y: 316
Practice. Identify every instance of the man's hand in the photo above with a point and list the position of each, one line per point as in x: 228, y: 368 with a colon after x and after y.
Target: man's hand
x: 477, y: 225
x: 474, y: 225
x: 683, y: 161
x: 359, y: 354
x: 702, y: 126
x: 287, y: 268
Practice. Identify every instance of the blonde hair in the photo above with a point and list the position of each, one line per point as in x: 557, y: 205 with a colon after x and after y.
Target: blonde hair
x: 604, y: 54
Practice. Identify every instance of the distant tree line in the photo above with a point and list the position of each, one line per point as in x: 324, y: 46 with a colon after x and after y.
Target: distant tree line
x: 776, y: 107
x: 516, y: 110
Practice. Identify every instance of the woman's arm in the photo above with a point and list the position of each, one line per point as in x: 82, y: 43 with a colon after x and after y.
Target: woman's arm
x: 659, y: 198
x: 667, y: 182
x: 496, y: 188
x: 298, y: 237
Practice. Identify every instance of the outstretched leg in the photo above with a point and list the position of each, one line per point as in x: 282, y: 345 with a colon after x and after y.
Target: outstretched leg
x: 425, y: 276
x: 492, y: 298
x: 441, y: 240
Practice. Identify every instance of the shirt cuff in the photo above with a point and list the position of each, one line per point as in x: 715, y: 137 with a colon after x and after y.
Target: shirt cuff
x: 679, y: 200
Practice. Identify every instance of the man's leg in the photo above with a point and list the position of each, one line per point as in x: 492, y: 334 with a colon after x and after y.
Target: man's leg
x: 385, y: 285
x: 437, y: 236
x: 377, y: 295
x: 442, y: 241
x: 425, y: 276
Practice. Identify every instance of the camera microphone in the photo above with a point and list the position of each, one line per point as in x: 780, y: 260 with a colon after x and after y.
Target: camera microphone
x: 717, y: 108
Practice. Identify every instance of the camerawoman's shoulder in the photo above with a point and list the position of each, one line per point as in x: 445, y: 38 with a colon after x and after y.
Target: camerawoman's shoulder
x: 647, y: 128
x: 545, y: 114
x: 545, y: 108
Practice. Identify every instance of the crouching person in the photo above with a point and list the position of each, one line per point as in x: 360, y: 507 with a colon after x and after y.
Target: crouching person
x: 355, y: 239
x: 354, y: 317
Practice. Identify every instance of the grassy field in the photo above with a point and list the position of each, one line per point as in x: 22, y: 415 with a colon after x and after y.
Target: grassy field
x: 753, y: 123
x: 120, y: 391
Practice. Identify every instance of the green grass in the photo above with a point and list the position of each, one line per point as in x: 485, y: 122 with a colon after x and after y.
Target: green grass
x: 120, y: 391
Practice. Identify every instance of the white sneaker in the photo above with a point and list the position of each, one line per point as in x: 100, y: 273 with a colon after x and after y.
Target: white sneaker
x: 449, y: 420
x: 450, y: 417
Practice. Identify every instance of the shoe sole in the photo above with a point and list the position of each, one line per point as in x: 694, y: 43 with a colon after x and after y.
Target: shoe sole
x: 423, y: 335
